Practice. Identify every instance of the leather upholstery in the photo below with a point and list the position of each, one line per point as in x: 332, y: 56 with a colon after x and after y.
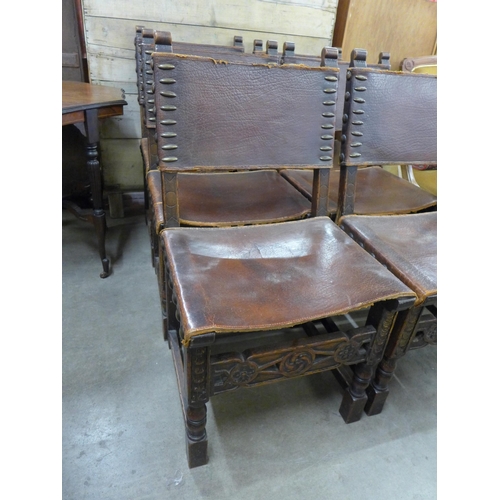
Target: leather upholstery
x: 231, y: 198
x: 384, y: 127
x: 271, y: 276
x: 273, y: 135
x: 377, y: 192
x: 405, y: 244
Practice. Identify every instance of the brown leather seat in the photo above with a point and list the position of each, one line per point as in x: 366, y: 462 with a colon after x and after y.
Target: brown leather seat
x: 406, y: 245
x: 394, y: 117
x: 215, y: 200
x: 226, y: 286
x: 272, y: 276
x: 377, y: 192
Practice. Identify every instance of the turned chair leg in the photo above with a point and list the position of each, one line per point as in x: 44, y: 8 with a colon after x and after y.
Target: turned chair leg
x: 383, y: 317
x: 196, y: 436
x: 378, y: 390
x: 355, y: 398
x: 404, y: 329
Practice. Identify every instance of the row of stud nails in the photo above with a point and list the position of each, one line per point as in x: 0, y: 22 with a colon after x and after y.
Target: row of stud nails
x: 328, y: 114
x: 168, y: 107
x: 358, y: 111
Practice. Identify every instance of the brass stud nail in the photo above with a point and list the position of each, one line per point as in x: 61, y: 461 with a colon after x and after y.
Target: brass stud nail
x: 361, y: 77
x: 169, y: 146
x: 359, y: 100
x: 148, y: 52
x: 357, y: 122
x: 168, y: 122
x: 325, y: 158
x: 329, y: 91
x: 356, y: 144
x: 168, y: 93
x: 347, y: 96
x: 354, y: 155
x: 356, y: 133
x: 153, y: 119
x: 325, y: 148
x: 358, y: 111
x: 327, y: 125
x: 359, y: 89
x: 168, y: 134
x: 168, y: 108
x: 149, y: 82
x: 327, y: 137
x: 149, y: 72
x: 331, y: 78
x: 328, y: 115
x: 169, y: 159
x: 328, y: 103
x: 167, y: 81
x: 166, y: 66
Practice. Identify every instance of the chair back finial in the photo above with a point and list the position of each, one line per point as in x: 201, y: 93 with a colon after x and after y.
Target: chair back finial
x: 257, y: 46
x: 358, y: 58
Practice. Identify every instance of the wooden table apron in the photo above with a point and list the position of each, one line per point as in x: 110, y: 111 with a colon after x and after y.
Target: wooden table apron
x: 86, y: 103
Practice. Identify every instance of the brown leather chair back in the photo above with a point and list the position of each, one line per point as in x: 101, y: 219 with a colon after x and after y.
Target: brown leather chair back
x: 390, y: 118
x: 221, y: 115
x: 288, y: 56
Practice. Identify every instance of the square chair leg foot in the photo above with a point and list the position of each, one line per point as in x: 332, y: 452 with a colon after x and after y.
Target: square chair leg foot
x: 351, y: 408
x: 197, y: 452
x: 376, y: 400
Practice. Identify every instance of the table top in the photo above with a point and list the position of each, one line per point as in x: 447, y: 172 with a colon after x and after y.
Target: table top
x: 81, y: 96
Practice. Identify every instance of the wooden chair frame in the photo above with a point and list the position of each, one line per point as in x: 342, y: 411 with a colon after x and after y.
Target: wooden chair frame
x: 417, y: 326
x: 202, y: 371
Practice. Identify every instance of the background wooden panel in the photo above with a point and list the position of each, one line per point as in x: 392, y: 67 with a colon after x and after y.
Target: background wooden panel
x: 405, y: 28
x: 312, y: 18
x: 109, y: 34
x: 109, y: 27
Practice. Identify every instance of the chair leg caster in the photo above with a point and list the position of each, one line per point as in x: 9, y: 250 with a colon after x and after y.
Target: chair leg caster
x: 197, y: 452
x: 351, y: 408
x: 376, y: 400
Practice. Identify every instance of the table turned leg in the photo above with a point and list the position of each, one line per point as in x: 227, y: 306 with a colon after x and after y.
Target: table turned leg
x: 94, y: 170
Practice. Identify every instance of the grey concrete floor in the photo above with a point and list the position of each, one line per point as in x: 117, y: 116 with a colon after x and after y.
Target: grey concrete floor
x: 122, y: 428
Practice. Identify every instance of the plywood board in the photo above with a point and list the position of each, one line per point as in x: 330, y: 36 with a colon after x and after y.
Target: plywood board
x: 405, y: 28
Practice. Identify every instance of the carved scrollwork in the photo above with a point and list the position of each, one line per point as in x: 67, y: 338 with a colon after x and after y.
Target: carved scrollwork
x: 380, y: 341
x: 198, y: 382
x: 230, y: 371
x: 346, y: 352
x: 243, y: 373
x: 297, y: 363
